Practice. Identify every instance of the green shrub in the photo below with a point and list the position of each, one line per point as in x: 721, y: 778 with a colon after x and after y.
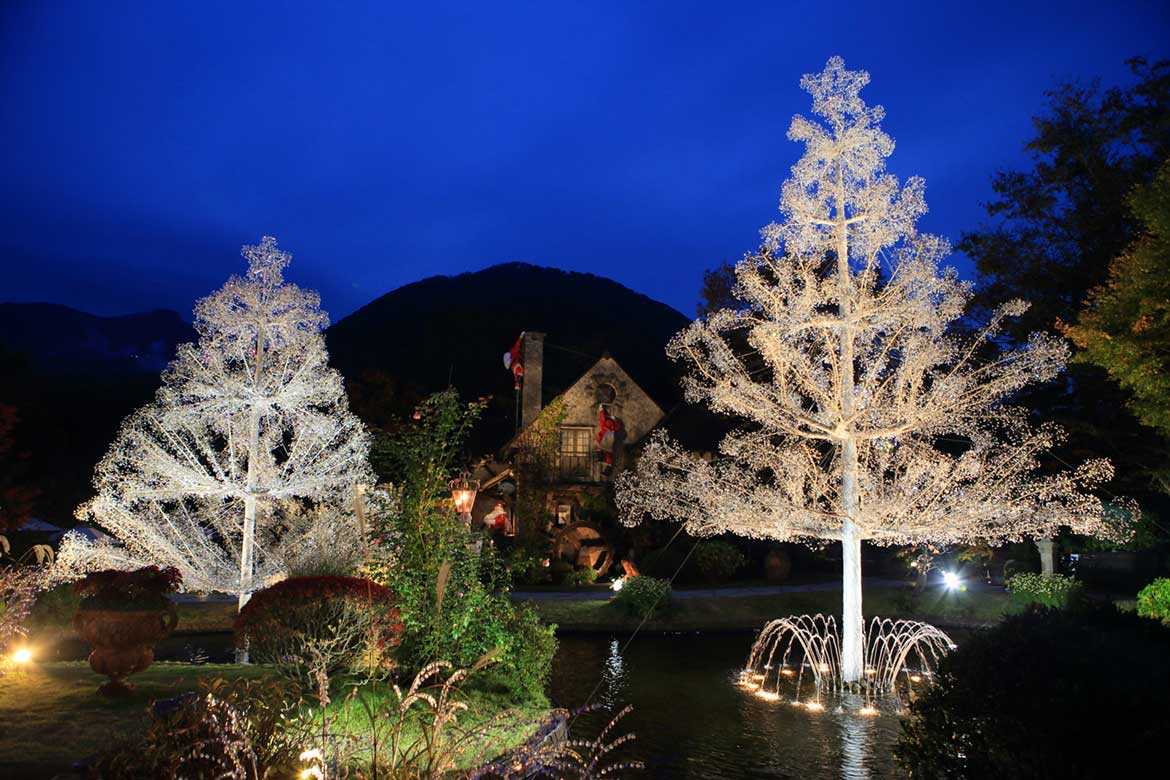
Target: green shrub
x: 643, y: 596
x: 586, y: 576
x: 529, y: 564
x: 305, y: 624
x: 561, y: 572
x: 1153, y: 601
x: 452, y: 584
x: 56, y: 606
x: 527, y: 658
x: 1030, y: 698
x: 717, y: 561
x: 1016, y: 566
x: 1054, y: 590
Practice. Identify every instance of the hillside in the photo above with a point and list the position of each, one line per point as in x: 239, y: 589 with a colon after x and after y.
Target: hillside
x: 455, y: 329
x: 59, y: 340
x: 73, y: 377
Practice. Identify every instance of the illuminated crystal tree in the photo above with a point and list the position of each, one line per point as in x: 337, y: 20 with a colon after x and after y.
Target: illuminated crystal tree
x: 866, y: 415
x: 249, y: 420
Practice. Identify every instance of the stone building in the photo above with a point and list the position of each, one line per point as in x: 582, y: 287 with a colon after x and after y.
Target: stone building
x: 605, y: 413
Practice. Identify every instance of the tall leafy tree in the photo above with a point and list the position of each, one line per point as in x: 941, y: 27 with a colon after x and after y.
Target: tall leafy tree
x: 1056, y: 227
x: 248, y: 419
x: 1053, y: 231
x: 1125, y: 325
x: 865, y: 417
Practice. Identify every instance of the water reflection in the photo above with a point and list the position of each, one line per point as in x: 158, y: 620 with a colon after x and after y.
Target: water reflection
x: 693, y: 722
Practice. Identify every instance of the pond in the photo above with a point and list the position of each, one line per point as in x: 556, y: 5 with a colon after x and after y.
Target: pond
x: 691, y: 720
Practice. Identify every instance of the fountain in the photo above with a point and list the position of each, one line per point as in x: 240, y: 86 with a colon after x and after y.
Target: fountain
x: 798, y: 659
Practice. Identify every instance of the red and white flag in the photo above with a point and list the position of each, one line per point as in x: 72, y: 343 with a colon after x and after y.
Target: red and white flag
x: 513, y: 361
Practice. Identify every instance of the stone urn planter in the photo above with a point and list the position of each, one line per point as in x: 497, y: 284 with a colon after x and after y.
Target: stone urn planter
x: 123, y: 641
x: 122, y: 614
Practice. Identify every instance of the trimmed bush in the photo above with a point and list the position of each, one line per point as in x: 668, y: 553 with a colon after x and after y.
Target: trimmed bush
x: 334, y: 624
x: 586, y: 576
x: 1055, y: 590
x: 1045, y: 694
x: 641, y: 596
x: 1153, y: 601
x: 561, y: 572
x: 717, y: 561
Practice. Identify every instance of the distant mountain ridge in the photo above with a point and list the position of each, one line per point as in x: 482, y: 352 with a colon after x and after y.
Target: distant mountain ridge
x: 455, y: 329
x: 57, y: 339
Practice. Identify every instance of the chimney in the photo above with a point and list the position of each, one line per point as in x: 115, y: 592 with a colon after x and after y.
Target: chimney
x: 533, y: 361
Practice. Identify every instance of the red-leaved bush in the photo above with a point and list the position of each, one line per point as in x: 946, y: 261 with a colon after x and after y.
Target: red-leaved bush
x: 328, y: 623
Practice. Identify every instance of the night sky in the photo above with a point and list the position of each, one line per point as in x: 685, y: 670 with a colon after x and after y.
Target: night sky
x: 143, y: 143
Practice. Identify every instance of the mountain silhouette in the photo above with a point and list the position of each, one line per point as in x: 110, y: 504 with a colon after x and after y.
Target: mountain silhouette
x: 454, y: 330
x: 73, y: 376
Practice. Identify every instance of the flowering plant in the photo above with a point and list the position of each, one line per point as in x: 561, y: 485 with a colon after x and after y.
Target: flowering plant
x: 144, y: 588
x: 1053, y: 590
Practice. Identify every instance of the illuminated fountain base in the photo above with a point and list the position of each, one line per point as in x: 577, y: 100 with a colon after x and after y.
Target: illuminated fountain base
x: 797, y: 660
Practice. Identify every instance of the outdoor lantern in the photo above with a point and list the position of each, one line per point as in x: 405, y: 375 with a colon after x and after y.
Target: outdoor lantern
x: 463, y: 490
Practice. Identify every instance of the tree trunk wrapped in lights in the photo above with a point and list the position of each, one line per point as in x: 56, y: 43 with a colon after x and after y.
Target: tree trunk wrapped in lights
x: 249, y: 421
x: 867, y: 416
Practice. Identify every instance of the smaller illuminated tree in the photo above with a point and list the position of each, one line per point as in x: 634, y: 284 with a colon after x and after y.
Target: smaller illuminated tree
x: 866, y: 416
x: 249, y: 421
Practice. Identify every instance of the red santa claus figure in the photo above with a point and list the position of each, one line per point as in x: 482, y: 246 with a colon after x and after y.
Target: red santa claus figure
x: 497, y: 519
x: 609, y: 430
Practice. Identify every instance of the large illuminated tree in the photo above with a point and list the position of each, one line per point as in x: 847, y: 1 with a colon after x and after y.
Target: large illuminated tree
x: 866, y: 415
x: 249, y: 421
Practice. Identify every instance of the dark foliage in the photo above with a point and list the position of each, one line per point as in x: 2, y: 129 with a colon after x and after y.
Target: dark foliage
x: 1046, y: 694
x: 245, y: 730
x: 1053, y: 232
x: 717, y: 561
x: 144, y: 588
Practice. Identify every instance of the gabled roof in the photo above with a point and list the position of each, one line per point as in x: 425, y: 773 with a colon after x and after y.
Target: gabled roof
x: 607, y: 370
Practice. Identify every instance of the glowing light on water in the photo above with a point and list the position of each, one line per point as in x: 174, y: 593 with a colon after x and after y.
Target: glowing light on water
x: 814, y: 706
x: 768, y: 695
x: 868, y: 710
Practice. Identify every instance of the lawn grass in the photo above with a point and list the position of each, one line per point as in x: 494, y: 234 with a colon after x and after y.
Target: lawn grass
x: 52, y: 716
x: 972, y: 608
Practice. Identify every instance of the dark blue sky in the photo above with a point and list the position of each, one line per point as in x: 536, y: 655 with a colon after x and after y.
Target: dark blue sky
x: 143, y: 143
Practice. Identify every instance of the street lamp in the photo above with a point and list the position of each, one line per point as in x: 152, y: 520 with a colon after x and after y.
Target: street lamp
x: 463, y: 490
